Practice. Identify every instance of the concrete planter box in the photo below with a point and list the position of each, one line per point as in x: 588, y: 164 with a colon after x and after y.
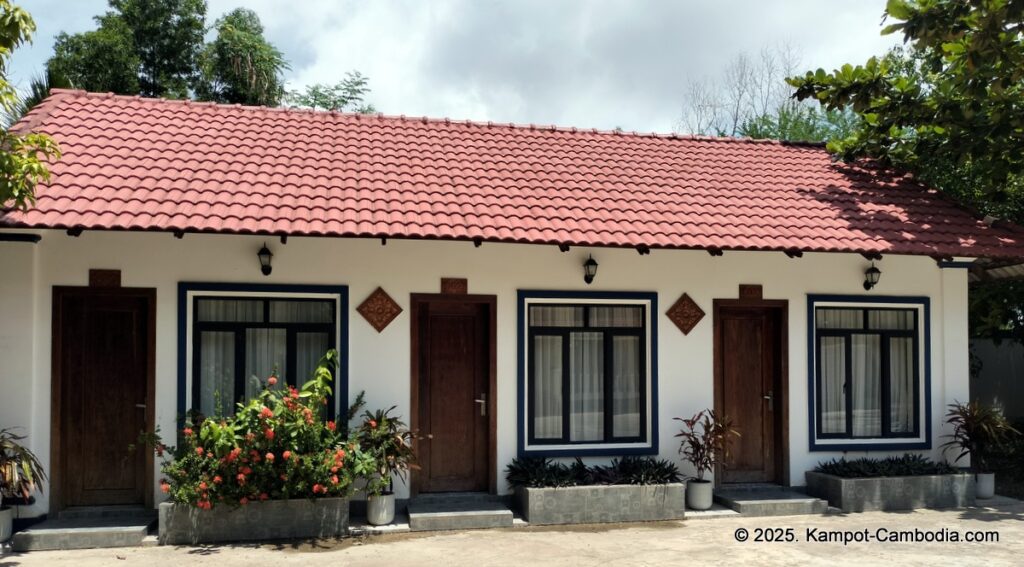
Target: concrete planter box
x: 602, y: 504
x: 273, y: 519
x: 892, y: 492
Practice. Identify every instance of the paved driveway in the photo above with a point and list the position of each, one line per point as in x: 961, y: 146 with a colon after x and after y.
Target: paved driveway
x: 668, y: 543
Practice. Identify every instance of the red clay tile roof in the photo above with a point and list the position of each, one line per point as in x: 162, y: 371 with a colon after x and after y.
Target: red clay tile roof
x: 142, y: 164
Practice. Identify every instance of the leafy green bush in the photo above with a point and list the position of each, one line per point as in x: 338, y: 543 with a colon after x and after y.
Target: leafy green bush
x: 532, y: 472
x: 907, y: 465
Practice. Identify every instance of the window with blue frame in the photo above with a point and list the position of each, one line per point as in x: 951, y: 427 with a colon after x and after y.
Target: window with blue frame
x: 586, y: 376
x: 869, y: 371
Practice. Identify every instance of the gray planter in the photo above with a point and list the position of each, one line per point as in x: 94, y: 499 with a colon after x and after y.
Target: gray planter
x: 274, y: 519
x: 602, y: 504
x: 892, y: 492
x: 700, y: 495
x: 380, y: 509
x: 986, y: 485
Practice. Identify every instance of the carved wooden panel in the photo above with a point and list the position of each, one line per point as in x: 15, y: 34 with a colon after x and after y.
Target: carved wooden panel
x: 454, y: 286
x: 104, y: 278
x: 751, y: 291
x: 685, y: 313
x: 379, y: 309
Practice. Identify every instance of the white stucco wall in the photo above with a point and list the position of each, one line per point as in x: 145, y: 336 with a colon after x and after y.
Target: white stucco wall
x: 379, y: 363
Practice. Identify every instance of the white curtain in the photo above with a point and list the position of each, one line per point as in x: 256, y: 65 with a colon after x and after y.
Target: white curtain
x: 840, y: 318
x: 902, y: 319
x: 556, y: 316
x: 833, y: 376
x: 626, y: 384
x: 309, y: 349
x: 616, y: 316
x: 586, y: 377
x: 901, y: 384
x: 230, y: 310
x: 866, y: 382
x: 265, y: 352
x: 217, y: 373
x: 547, y: 397
x: 301, y: 312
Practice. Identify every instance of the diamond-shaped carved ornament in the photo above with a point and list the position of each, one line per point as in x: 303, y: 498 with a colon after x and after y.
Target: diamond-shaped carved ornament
x: 379, y: 309
x: 685, y: 313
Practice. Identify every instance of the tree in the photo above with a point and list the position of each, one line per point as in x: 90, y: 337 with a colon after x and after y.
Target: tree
x: 24, y: 158
x: 797, y: 122
x: 102, y: 60
x: 240, y: 65
x: 346, y: 95
x: 38, y: 89
x: 147, y: 47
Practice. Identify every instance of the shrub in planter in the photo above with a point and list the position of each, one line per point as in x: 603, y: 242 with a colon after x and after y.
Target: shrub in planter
x: 704, y: 443
x: 979, y: 431
x: 21, y: 474
x: 628, y: 489
x: 277, y: 446
x: 893, y: 483
x: 388, y: 440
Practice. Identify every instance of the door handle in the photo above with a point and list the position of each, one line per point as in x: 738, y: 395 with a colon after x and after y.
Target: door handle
x: 140, y: 406
x: 482, y: 400
x: 771, y: 400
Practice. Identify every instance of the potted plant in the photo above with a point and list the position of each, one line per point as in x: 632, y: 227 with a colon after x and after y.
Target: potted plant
x: 21, y: 474
x: 388, y: 440
x: 978, y: 430
x: 704, y: 443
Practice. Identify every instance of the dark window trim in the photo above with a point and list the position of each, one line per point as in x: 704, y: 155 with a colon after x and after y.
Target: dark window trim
x: 923, y: 331
x: 340, y: 291
x: 589, y: 448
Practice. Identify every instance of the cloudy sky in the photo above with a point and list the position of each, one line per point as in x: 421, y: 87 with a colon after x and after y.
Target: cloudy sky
x: 596, y: 63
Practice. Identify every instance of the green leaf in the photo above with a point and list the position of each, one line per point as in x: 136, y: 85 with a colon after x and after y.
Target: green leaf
x: 899, y: 9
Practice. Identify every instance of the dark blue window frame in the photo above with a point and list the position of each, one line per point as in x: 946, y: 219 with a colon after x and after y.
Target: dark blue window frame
x: 340, y: 402
x: 813, y: 368
x: 589, y: 449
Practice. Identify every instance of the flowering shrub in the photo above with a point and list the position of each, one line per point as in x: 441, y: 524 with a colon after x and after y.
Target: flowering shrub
x: 277, y: 446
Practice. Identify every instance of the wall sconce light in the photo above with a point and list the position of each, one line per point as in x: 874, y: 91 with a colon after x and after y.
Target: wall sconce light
x: 589, y: 270
x: 871, y: 276
x: 265, y: 255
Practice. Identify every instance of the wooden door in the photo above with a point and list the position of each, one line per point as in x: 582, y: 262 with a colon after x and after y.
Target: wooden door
x: 454, y: 401
x: 749, y: 391
x: 104, y: 344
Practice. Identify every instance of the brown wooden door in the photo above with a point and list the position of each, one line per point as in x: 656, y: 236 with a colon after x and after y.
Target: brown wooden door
x: 104, y: 356
x: 749, y: 391
x: 453, y: 346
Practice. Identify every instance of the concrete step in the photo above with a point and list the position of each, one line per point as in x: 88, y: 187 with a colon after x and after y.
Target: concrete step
x: 82, y: 512
x: 85, y: 533
x: 773, y: 501
x: 435, y: 514
x: 453, y: 497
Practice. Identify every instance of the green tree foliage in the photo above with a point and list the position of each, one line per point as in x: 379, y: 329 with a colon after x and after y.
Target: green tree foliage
x: 240, y: 65
x: 38, y: 89
x: 102, y: 60
x: 795, y: 122
x: 346, y: 95
x: 23, y: 157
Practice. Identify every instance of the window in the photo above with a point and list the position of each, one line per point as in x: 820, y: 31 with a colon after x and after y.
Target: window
x: 869, y: 378
x: 239, y: 338
x: 587, y: 374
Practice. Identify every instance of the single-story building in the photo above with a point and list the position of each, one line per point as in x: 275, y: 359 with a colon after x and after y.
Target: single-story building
x: 514, y: 290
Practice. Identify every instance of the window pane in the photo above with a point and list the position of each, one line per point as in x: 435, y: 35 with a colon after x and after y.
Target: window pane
x: 839, y: 318
x: 833, y: 375
x: 616, y: 316
x: 586, y: 377
x: 547, y: 395
x: 626, y: 387
x: 230, y: 310
x: 901, y: 384
x: 309, y: 349
x: 556, y: 316
x: 866, y: 380
x: 891, y: 319
x: 216, y: 373
x: 265, y: 352
x: 302, y: 311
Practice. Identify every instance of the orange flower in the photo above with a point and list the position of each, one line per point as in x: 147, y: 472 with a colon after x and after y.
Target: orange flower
x: 271, y: 381
x: 334, y: 479
x: 331, y: 426
x: 372, y: 422
x: 187, y: 431
x: 199, y: 451
x: 287, y: 455
x: 269, y: 434
x: 203, y: 485
x: 266, y: 413
x: 270, y: 457
x: 217, y: 479
x: 165, y: 488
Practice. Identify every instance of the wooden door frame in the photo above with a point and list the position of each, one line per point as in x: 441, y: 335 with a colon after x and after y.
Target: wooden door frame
x: 417, y: 300
x: 781, y: 306
x: 56, y: 333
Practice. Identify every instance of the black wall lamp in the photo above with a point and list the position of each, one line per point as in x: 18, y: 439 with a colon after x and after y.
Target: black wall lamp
x: 589, y: 270
x: 871, y: 276
x: 265, y: 256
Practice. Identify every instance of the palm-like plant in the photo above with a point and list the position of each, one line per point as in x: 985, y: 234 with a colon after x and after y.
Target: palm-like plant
x: 21, y: 473
x: 977, y: 431
x: 705, y: 440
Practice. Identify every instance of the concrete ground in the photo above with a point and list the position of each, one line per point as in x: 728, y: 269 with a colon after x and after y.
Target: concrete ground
x: 663, y: 543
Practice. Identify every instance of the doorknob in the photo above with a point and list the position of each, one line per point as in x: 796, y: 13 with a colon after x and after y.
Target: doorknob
x: 771, y: 400
x: 140, y: 406
x: 482, y: 400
